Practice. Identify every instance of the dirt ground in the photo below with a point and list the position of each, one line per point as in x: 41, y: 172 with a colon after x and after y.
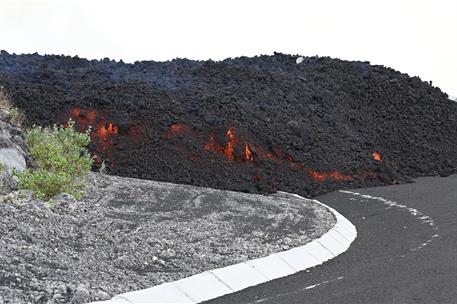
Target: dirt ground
x: 129, y: 234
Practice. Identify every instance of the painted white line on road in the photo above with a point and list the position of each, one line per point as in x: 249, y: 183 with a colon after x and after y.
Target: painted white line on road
x: 218, y: 282
x: 425, y: 219
x: 322, y: 283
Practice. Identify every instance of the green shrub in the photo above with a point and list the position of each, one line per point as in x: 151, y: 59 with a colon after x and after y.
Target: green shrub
x: 61, y: 158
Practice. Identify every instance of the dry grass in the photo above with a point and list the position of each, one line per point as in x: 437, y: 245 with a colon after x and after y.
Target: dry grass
x: 8, y: 110
x: 5, y: 102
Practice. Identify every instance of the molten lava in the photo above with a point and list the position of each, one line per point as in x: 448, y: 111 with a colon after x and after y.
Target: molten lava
x: 179, y: 129
x: 213, y: 145
x: 323, y: 176
x: 248, y: 152
x: 104, y: 131
x: 377, y: 156
x: 231, y: 144
x: 233, y: 140
x: 229, y: 149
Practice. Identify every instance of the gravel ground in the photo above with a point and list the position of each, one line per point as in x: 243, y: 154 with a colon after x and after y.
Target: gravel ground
x: 129, y: 234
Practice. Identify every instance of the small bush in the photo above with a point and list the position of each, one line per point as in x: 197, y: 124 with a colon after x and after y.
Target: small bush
x: 61, y: 158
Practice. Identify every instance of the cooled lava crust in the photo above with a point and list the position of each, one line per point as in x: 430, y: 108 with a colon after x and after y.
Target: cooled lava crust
x: 248, y: 124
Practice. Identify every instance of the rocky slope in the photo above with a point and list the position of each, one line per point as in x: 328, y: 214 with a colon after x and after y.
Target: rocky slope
x: 248, y: 124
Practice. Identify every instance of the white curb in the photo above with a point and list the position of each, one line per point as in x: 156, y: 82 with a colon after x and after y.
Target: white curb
x: 218, y: 282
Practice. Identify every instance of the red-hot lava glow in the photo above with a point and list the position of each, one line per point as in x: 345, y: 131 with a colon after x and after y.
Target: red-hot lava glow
x: 179, y: 129
x: 252, y: 153
x: 248, y: 153
x: 213, y: 145
x: 104, y: 131
x: 229, y: 148
x: 323, y: 176
x: 231, y: 144
x: 377, y: 156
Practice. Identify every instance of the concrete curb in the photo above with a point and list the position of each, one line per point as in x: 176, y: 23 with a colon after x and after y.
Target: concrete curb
x: 218, y: 282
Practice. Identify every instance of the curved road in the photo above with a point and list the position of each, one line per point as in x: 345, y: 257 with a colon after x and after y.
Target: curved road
x: 405, y: 252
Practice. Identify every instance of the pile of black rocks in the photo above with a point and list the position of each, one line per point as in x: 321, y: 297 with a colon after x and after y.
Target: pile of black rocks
x: 249, y: 124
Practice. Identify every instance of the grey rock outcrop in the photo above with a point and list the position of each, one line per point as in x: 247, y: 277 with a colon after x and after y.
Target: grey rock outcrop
x: 13, y: 155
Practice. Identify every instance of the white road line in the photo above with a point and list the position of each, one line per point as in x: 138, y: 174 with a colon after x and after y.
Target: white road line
x: 280, y: 295
x: 425, y: 219
x: 322, y: 283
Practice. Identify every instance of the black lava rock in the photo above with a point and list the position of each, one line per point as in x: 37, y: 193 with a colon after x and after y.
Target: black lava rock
x: 313, y: 127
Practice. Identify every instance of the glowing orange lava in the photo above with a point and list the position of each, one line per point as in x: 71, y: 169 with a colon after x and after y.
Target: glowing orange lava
x: 248, y: 152
x: 231, y: 144
x: 104, y: 132
x: 229, y: 149
x: 377, y: 156
x: 213, y: 145
x: 323, y: 176
x: 233, y: 140
x: 179, y: 129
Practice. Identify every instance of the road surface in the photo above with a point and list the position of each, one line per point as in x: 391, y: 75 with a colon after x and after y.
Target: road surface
x: 405, y: 252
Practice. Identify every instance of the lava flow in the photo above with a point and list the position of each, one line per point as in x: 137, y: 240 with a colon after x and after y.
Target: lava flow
x: 238, y: 148
x: 323, y: 176
x: 179, y: 129
x: 106, y: 132
x: 248, y: 152
x: 377, y: 156
x: 229, y: 149
x: 103, y: 131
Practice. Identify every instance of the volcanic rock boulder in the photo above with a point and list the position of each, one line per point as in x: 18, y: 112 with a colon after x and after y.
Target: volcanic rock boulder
x: 13, y: 154
x: 248, y: 124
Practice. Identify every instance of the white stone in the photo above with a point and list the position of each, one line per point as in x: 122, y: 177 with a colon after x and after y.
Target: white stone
x: 331, y: 244
x: 348, y: 227
x: 339, y: 238
x: 300, y: 258
x: 239, y: 276
x: 272, y: 267
x: 12, y: 159
x: 165, y: 293
x: 202, y: 287
x: 349, y: 236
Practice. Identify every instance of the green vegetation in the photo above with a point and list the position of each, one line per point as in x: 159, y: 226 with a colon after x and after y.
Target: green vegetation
x: 61, y: 158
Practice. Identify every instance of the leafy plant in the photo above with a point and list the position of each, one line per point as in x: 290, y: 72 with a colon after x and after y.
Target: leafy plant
x: 61, y: 158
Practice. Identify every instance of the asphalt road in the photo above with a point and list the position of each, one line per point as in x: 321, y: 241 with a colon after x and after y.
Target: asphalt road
x: 405, y: 252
